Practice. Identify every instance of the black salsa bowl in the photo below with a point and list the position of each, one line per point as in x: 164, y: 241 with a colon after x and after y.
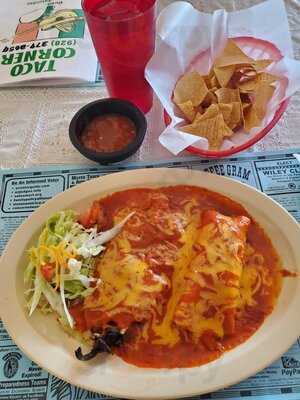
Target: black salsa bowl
x: 102, y: 107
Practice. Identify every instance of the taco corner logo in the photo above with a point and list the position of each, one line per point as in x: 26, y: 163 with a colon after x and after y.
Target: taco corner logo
x: 42, y: 36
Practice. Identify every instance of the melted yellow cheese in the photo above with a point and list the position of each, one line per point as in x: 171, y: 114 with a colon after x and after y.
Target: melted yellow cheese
x: 219, y: 248
x: 250, y: 284
x: 211, y: 251
x: 166, y: 332
x: 200, y: 325
x: 123, y: 280
x: 57, y: 255
x: 189, y: 316
x: 253, y: 277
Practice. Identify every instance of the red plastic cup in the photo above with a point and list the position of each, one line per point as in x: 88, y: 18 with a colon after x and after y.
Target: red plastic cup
x: 123, y: 33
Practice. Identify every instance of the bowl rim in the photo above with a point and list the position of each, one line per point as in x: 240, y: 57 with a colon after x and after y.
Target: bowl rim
x: 114, y: 156
x: 261, y: 134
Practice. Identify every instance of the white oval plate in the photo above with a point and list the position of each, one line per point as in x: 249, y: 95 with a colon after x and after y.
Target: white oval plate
x: 43, y: 341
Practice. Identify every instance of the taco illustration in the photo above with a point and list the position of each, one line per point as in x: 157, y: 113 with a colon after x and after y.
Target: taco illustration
x: 28, y: 27
x: 59, y: 24
x: 63, y: 20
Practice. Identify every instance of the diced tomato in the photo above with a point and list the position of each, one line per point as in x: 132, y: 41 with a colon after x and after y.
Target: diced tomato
x: 210, y: 340
x: 209, y: 280
x: 228, y: 278
x: 98, y: 215
x: 149, y: 278
x: 192, y: 295
x: 243, y: 223
x: 209, y: 216
x: 94, y: 216
x: 229, y: 321
x: 84, y: 219
x: 95, y: 211
x: 286, y: 273
x: 77, y: 313
x: 210, y: 312
x: 47, y: 271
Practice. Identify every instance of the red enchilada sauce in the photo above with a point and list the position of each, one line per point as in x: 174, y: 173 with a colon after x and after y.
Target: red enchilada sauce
x: 108, y: 133
x: 136, y: 349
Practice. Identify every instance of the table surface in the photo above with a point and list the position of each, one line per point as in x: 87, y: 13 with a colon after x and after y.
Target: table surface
x: 34, y: 122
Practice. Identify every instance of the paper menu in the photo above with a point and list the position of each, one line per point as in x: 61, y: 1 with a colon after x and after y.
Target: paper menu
x: 277, y: 174
x: 45, y: 43
x: 186, y: 35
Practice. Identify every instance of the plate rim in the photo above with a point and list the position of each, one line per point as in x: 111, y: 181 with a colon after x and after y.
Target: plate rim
x: 91, y: 183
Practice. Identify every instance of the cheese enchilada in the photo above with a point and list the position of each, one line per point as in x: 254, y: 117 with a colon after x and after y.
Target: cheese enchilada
x: 186, y: 275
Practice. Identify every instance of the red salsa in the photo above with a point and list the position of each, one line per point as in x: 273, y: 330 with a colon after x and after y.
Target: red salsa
x: 108, y: 133
x: 155, y: 240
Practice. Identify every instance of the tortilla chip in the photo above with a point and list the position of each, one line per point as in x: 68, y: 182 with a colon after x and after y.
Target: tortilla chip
x: 248, y: 86
x: 188, y: 110
x: 247, y: 70
x: 264, y: 77
x: 190, y: 86
x: 236, y: 115
x: 235, y: 93
x: 214, y: 129
x: 256, y: 113
x: 211, y: 112
x: 224, y: 74
x: 245, y: 97
x: 199, y: 110
x: 226, y: 95
x: 247, y: 74
x: 226, y: 110
x: 260, y: 65
x: 253, y: 85
x: 246, y: 105
x: 232, y: 55
x: 251, y: 120
x: 242, y: 74
x: 207, y: 81
x: 214, y: 82
x: 262, y: 96
x: 210, y: 98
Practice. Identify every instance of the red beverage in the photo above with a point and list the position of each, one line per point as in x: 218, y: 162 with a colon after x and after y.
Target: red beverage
x: 123, y: 33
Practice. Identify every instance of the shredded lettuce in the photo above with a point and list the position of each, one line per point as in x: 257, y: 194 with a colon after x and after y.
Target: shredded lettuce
x: 63, y: 299
x: 64, y: 239
x: 75, y: 273
x: 53, y: 298
x: 61, y: 223
x: 57, y: 226
x: 75, y: 290
x: 29, y: 273
x: 37, y: 292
